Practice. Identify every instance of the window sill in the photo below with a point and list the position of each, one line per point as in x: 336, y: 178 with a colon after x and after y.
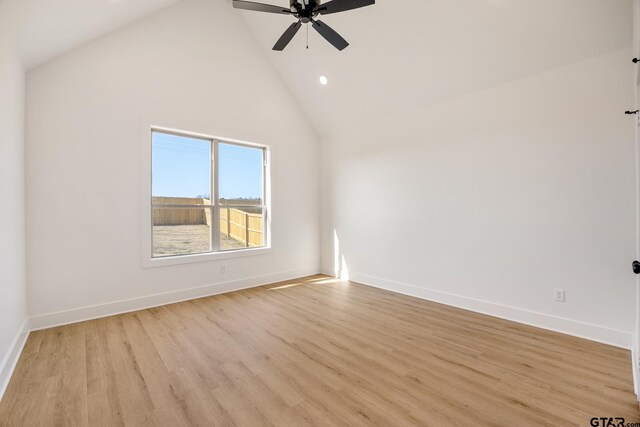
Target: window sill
x: 207, y: 257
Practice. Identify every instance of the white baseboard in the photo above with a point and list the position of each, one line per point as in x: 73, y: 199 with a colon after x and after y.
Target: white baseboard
x: 634, y: 368
x: 575, y: 328
x: 81, y: 314
x: 11, y: 358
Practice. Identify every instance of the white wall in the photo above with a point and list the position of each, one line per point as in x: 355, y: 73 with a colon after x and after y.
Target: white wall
x: 492, y: 200
x: 12, y: 226
x: 190, y: 67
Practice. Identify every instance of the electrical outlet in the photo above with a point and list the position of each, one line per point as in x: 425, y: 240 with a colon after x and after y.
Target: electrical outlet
x: 223, y: 268
x: 558, y: 295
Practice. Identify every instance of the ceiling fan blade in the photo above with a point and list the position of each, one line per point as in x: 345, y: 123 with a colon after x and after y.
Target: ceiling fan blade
x: 330, y: 35
x: 260, y: 7
x: 287, y: 36
x: 336, y: 6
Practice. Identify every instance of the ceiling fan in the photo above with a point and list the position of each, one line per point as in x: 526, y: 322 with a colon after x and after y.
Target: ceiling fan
x: 306, y: 11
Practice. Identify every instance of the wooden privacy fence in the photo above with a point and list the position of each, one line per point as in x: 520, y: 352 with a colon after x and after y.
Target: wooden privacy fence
x: 242, y: 226
x: 181, y: 216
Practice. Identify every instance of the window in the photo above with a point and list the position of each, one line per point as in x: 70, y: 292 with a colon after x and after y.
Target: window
x: 207, y: 195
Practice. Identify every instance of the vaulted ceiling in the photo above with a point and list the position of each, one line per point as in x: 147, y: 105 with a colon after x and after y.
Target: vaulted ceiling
x: 403, y: 54
x: 410, y: 53
x: 51, y: 27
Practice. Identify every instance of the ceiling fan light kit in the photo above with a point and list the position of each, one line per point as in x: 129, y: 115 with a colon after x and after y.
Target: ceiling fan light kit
x: 306, y: 11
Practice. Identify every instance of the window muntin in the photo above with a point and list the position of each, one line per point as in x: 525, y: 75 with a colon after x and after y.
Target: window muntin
x: 208, y: 195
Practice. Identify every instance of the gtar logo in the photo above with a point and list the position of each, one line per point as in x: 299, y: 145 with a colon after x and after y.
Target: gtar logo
x: 607, y: 422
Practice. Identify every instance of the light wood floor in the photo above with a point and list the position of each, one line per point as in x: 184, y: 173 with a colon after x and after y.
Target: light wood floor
x: 313, y: 351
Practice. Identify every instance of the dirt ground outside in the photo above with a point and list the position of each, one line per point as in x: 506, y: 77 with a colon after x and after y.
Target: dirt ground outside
x: 186, y: 239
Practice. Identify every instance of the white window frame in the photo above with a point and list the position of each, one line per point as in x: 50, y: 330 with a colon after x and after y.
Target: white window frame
x: 148, y: 260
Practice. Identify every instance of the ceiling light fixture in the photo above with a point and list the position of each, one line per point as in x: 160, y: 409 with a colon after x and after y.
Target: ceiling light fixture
x: 324, y: 80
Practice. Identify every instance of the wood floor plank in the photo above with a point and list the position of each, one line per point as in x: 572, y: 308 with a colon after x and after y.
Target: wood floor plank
x: 313, y: 351
x: 71, y: 387
x: 103, y: 400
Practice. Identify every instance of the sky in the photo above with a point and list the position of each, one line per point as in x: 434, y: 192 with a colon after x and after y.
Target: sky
x: 182, y: 168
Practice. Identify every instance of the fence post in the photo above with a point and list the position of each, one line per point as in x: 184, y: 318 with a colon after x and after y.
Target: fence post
x: 228, y: 223
x: 246, y: 225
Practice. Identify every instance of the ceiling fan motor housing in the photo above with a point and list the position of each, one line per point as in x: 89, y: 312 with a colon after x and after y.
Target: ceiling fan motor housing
x: 304, y: 2
x: 303, y: 9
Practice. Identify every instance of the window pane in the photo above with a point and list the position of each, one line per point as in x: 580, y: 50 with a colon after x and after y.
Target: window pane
x: 181, y: 231
x: 241, y: 175
x: 241, y: 227
x: 181, y: 170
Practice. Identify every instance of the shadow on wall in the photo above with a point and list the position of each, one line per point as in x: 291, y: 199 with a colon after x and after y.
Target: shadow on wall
x: 340, y: 267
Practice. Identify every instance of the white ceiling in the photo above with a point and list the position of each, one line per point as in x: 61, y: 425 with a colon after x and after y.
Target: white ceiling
x: 404, y: 53
x: 50, y: 27
x: 410, y: 53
